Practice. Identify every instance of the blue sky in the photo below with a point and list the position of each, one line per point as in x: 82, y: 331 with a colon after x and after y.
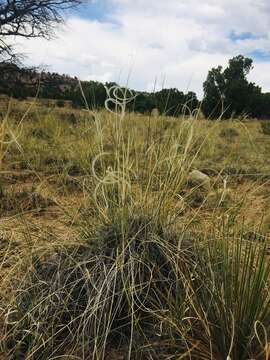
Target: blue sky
x: 260, y: 55
x: 172, y: 43
x: 234, y: 36
x: 94, y: 10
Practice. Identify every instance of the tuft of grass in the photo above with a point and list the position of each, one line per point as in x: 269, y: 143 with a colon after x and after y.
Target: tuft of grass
x: 229, y: 134
x: 148, y: 292
x: 16, y: 202
x: 228, y: 312
x: 265, y: 126
x: 94, y: 299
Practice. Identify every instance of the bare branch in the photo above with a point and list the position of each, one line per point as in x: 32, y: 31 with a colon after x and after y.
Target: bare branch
x: 30, y: 19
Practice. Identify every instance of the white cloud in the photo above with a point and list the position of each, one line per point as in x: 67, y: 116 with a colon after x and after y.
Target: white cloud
x: 104, y: 77
x: 175, y: 40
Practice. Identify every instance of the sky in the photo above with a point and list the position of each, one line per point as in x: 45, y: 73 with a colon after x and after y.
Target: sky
x: 152, y: 44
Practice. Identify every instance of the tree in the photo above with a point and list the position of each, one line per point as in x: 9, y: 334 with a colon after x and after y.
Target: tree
x: 20, y: 82
x: 191, y: 102
x: 29, y: 19
x: 238, y: 91
x: 214, y: 88
x: 228, y: 92
x: 173, y: 102
x: 238, y: 69
x: 144, y: 103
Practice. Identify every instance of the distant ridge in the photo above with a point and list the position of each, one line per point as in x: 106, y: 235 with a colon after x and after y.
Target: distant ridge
x: 20, y: 83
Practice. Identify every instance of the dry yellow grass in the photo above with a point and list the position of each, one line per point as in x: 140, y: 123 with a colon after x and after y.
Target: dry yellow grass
x: 65, y: 173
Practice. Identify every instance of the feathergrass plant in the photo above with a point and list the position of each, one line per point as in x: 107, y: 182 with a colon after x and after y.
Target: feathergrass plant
x: 143, y: 280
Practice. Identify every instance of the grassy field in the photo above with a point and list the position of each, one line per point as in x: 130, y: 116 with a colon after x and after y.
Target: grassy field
x: 114, y: 246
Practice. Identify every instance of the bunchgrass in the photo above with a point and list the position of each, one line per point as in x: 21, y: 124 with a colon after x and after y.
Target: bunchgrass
x: 158, y: 269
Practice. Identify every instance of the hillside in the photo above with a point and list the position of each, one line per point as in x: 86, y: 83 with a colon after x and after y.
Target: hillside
x: 26, y: 82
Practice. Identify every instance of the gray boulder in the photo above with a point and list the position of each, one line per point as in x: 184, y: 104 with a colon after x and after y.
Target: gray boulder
x: 199, y: 179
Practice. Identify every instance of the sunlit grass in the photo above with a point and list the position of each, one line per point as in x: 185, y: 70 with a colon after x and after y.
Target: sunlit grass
x: 146, y: 263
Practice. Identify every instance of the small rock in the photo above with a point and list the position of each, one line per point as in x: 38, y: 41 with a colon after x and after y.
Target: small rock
x: 199, y: 179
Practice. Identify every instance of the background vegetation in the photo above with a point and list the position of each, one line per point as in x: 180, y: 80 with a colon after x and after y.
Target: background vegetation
x: 227, y: 92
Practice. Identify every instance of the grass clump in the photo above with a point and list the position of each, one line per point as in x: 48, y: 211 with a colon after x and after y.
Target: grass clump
x: 95, y: 299
x: 16, y: 202
x: 232, y: 301
x: 229, y: 134
x: 265, y: 126
x: 146, y: 292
